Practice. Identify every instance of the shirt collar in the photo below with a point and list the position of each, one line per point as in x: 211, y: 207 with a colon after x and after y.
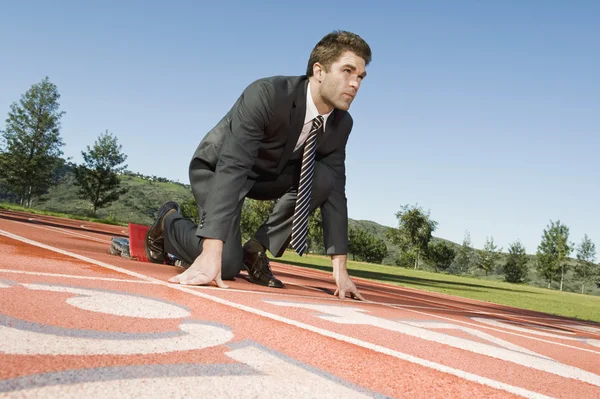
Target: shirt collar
x: 311, y: 109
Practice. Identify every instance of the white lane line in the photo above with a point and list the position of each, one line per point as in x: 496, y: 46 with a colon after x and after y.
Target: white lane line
x: 66, y: 232
x: 303, y: 296
x: 72, y: 233
x: 75, y: 276
x: 409, y: 308
x: 401, y: 291
x: 89, y: 227
x: 496, y: 329
x: 457, y: 307
x: 326, y: 333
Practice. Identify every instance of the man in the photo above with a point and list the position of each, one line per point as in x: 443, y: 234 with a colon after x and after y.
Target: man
x: 284, y: 138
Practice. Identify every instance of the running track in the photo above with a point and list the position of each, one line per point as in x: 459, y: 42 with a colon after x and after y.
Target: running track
x: 78, y: 322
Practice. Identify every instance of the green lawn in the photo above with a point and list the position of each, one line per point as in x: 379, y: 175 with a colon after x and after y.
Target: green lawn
x: 584, y: 307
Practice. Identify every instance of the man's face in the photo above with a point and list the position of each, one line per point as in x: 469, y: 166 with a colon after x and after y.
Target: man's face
x: 340, y: 84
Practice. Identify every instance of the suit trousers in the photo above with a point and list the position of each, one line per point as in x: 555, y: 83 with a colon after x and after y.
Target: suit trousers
x: 274, y: 234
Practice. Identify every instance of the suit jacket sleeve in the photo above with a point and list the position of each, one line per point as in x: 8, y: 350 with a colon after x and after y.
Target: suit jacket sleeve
x: 334, y: 210
x: 239, y: 150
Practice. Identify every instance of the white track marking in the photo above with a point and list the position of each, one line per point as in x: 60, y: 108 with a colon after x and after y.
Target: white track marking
x: 409, y: 308
x: 331, y: 298
x: 76, y: 277
x: 199, y: 336
x: 464, y: 307
x: 436, y: 325
x: 326, y: 333
x: 66, y: 232
x: 283, y: 294
x: 85, y: 226
x: 503, y: 331
x: 586, y: 328
x: 74, y: 234
x: 501, y: 324
x: 355, y: 316
x: 114, y: 303
x: 265, y: 375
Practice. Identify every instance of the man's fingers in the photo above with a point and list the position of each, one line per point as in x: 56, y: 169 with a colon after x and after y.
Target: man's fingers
x: 220, y: 282
x: 356, y: 295
x: 198, y: 279
x: 342, y: 294
x: 336, y: 292
x: 178, y: 278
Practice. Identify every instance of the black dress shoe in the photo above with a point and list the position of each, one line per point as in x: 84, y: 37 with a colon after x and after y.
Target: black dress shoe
x: 155, y: 238
x: 259, y: 269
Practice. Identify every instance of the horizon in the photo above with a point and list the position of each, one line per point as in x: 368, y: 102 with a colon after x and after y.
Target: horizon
x: 487, y: 115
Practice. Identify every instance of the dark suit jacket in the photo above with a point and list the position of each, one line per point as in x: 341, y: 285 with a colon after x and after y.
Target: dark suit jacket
x: 254, y: 140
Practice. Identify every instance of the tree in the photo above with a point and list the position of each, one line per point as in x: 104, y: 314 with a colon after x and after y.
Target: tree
x: 98, y: 176
x: 189, y: 209
x: 375, y: 251
x: 315, y: 237
x: 254, y: 214
x: 441, y: 254
x: 586, y: 256
x: 515, y: 269
x: 553, y: 251
x: 414, y: 230
x: 32, y: 143
x: 365, y: 246
x: 354, y: 242
x: 464, y: 255
x: 489, y: 256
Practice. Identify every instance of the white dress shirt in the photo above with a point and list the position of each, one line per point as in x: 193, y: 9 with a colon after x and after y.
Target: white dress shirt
x: 311, y: 113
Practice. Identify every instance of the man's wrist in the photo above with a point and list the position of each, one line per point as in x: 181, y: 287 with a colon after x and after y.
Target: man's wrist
x: 338, y: 262
x: 212, y: 244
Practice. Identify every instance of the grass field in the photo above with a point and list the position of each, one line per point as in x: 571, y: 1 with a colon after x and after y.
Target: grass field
x: 584, y: 307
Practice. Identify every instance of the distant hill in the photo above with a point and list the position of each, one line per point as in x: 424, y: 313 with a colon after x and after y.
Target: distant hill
x: 139, y: 205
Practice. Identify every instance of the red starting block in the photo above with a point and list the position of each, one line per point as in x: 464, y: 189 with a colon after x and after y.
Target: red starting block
x: 137, y: 236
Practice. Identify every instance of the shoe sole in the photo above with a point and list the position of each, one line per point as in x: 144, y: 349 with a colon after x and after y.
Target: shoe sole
x: 148, y: 255
x: 160, y: 260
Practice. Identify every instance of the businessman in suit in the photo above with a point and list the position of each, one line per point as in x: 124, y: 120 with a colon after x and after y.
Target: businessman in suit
x: 284, y: 139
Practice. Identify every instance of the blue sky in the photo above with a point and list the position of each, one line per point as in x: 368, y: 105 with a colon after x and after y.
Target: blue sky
x: 485, y: 113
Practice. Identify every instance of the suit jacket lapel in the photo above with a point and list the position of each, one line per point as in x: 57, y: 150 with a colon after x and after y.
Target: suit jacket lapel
x: 297, y: 115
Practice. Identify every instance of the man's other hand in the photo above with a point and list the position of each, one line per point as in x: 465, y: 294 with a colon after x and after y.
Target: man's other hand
x: 344, y: 284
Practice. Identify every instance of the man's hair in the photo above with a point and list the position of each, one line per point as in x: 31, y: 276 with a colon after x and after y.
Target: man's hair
x: 331, y: 47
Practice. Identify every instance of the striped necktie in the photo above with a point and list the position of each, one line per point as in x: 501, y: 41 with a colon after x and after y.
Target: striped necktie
x: 300, y: 225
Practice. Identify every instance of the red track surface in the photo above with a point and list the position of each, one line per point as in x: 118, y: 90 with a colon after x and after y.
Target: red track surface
x: 78, y: 322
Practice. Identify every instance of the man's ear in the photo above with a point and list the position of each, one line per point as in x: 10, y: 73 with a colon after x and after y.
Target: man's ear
x: 318, y: 71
